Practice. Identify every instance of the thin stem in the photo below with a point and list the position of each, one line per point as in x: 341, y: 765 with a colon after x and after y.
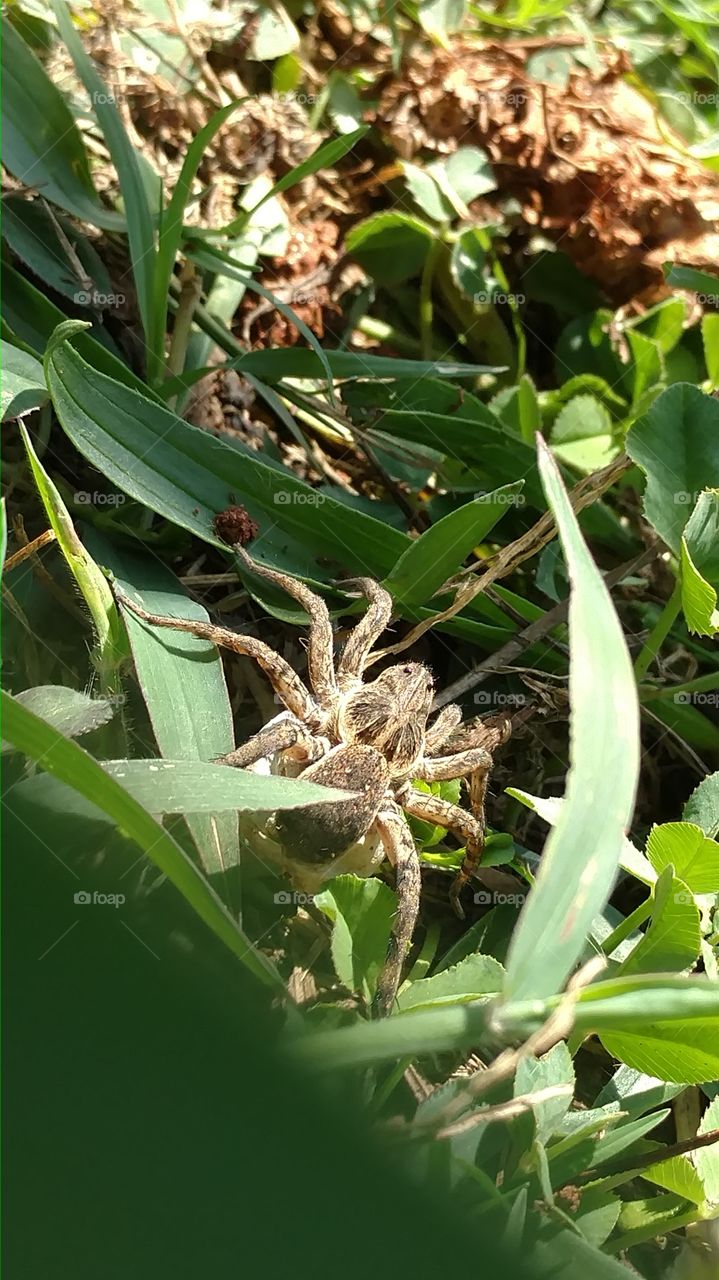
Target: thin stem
x: 628, y: 925
x: 426, y: 308
x: 699, y: 685
x: 382, y: 332
x: 659, y: 632
x: 190, y: 290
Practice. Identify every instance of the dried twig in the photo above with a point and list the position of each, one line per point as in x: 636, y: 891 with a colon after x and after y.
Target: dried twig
x: 505, y: 656
x: 509, y: 558
x: 557, y: 1027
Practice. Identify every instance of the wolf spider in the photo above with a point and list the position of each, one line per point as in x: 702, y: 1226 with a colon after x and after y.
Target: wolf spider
x: 371, y: 739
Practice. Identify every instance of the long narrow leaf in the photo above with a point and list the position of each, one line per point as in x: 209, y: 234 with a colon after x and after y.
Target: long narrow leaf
x: 584, y: 849
x: 171, y: 225
x: 221, y: 263
x: 110, y: 649
x: 188, y: 477
x: 140, y: 230
x: 326, y: 155
x: 42, y: 145
x: 183, y: 684
x: 622, y: 1004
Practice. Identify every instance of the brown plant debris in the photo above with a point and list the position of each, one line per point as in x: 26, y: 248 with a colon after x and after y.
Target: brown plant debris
x: 588, y: 164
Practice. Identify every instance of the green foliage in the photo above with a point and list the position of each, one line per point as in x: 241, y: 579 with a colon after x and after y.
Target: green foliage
x: 423, y: 472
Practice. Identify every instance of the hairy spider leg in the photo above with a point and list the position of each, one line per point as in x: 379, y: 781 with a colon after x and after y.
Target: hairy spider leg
x: 361, y: 638
x: 284, y: 680
x: 467, y: 827
x: 402, y: 852
x: 320, y: 640
x: 283, y: 735
x: 442, y: 728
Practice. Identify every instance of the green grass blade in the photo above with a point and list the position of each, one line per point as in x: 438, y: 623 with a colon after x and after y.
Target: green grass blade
x: 42, y: 145
x: 584, y: 848
x: 110, y: 648
x: 186, y: 476
x: 442, y: 549
x: 221, y: 264
x: 183, y: 684
x: 323, y: 158
x: 630, y: 1005
x: 140, y: 230
x: 170, y: 236
x: 200, y: 787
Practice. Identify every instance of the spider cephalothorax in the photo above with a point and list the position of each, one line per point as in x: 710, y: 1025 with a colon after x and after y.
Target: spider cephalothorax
x: 373, y: 739
x: 390, y: 714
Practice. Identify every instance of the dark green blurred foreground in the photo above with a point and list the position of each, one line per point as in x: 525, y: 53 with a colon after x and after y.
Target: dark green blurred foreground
x: 150, y: 1129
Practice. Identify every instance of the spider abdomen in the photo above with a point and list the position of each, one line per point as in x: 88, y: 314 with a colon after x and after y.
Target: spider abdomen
x: 321, y: 831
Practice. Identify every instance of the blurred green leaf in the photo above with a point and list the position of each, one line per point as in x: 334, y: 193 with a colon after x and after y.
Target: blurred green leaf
x: 203, y: 788
x: 32, y: 235
x: 69, y: 711
x: 65, y: 760
x: 582, y: 434
x: 110, y: 647
x: 439, y: 18
x: 361, y: 912
x: 550, y: 807
x: 390, y: 246
x: 700, y: 565
x: 678, y: 1016
x: 344, y: 105
x: 676, y: 443
x: 553, y: 1069
x: 702, y: 807
x: 710, y: 341
x: 425, y: 192
x: 274, y: 34
x: 23, y: 382
x: 474, y: 977
x: 706, y: 1159
x: 690, y: 278
x: 687, y: 721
